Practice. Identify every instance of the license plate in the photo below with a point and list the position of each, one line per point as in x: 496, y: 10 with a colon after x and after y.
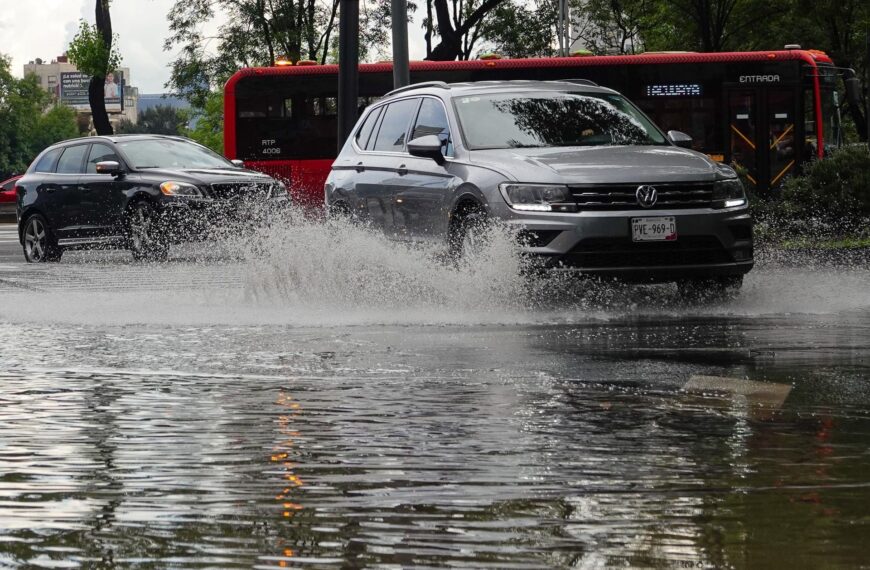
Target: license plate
x: 661, y: 228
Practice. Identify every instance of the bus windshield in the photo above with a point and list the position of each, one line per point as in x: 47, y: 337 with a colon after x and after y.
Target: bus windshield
x: 552, y: 119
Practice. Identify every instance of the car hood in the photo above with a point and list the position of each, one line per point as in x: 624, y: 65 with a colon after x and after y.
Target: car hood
x: 599, y: 165
x: 208, y: 175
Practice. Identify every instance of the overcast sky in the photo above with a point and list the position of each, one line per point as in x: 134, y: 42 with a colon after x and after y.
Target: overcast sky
x: 44, y: 28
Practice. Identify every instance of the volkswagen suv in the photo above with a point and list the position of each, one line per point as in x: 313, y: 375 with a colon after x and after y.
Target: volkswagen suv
x: 584, y: 176
x: 141, y: 192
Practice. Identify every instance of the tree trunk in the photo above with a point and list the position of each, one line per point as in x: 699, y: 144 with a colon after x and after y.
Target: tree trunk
x: 96, y: 88
x: 451, y: 38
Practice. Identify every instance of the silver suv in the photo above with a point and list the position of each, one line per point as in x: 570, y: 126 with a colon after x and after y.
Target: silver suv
x: 586, y: 178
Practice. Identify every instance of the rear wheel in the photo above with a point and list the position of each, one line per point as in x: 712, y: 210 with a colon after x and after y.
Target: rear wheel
x: 144, y: 236
x: 39, y: 243
x: 468, y: 232
x: 711, y: 289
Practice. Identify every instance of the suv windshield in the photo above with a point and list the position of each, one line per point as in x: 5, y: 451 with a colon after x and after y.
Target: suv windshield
x: 552, y: 119
x: 170, y: 153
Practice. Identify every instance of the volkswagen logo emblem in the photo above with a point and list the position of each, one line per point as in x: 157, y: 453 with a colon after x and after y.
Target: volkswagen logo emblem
x: 646, y: 196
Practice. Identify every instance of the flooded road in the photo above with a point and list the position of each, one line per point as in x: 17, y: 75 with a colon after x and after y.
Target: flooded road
x: 350, y: 411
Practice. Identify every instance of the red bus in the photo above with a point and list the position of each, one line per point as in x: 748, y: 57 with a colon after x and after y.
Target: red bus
x: 764, y: 111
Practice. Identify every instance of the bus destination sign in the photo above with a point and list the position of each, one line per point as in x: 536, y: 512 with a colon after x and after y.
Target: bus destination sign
x: 674, y: 90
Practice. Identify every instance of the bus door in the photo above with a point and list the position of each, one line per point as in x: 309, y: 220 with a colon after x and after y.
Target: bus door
x: 782, y: 128
x: 743, y: 128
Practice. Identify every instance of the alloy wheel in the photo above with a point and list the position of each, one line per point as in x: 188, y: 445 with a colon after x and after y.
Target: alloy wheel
x: 35, y: 240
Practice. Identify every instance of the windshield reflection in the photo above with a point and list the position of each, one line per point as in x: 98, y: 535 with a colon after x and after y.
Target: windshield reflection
x: 553, y: 119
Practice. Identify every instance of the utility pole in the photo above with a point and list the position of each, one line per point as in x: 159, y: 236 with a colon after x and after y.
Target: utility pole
x: 401, y: 74
x: 348, y: 68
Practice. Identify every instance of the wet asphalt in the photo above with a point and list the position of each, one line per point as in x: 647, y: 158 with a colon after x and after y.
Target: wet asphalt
x: 218, y: 411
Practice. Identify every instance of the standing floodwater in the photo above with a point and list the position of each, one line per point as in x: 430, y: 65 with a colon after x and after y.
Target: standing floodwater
x: 367, y: 405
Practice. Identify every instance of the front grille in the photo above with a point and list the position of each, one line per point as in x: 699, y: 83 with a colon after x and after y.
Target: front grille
x: 622, y: 252
x: 603, y: 197
x: 234, y: 190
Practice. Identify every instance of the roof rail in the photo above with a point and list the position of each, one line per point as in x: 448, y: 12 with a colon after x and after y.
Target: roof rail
x: 439, y: 84
x: 588, y: 82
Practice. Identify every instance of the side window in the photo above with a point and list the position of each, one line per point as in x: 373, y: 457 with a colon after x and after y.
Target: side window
x: 71, y: 160
x: 365, y: 131
x: 99, y: 153
x: 48, y: 160
x: 432, y: 120
x: 394, y: 126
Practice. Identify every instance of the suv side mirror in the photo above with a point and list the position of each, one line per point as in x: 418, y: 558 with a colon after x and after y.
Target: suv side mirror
x: 428, y: 146
x: 238, y: 163
x: 109, y: 167
x: 680, y: 139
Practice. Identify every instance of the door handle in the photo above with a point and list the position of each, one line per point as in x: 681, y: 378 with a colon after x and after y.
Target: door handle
x: 50, y: 190
x: 360, y: 167
x: 85, y: 188
x: 403, y: 170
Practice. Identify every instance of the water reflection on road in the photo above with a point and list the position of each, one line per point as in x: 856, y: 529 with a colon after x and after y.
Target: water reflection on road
x: 205, y: 428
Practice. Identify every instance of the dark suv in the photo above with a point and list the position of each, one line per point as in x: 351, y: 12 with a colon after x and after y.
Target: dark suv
x: 140, y: 192
x: 585, y: 177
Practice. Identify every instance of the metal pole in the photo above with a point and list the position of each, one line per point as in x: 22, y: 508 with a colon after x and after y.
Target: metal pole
x: 348, y: 68
x: 867, y: 89
x: 559, y: 27
x: 401, y: 75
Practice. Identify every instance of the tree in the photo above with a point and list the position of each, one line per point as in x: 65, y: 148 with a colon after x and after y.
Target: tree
x: 256, y: 33
x: 208, y: 129
x: 458, y: 25
x: 24, y: 127
x: 522, y: 29
x: 93, y: 53
x: 158, y: 120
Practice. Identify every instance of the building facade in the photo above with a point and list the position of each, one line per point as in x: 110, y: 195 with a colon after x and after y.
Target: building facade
x: 70, y: 87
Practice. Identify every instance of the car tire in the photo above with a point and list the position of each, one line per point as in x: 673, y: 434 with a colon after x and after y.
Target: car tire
x: 468, y: 232
x: 339, y: 211
x: 145, y: 239
x: 38, y: 241
x: 710, y: 290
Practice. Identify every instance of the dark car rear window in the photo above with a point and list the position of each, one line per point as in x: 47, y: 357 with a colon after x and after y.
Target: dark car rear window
x: 48, y: 160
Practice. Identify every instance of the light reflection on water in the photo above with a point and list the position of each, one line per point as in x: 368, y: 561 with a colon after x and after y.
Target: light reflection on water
x: 528, y: 446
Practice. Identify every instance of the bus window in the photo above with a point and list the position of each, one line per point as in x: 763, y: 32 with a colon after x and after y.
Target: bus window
x: 300, y: 126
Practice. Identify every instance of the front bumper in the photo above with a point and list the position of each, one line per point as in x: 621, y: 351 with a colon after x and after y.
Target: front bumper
x: 710, y: 243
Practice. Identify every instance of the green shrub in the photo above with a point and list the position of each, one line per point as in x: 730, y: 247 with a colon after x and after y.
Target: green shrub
x: 831, y: 197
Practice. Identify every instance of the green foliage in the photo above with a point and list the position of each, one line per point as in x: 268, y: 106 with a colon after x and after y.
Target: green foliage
x: 57, y: 124
x: 25, y: 129
x: 522, y: 29
x: 256, y: 33
x: 90, y: 54
x: 832, y: 197
x: 209, y: 123
x: 158, y: 120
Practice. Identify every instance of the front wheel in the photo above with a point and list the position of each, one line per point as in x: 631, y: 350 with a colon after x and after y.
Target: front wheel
x: 145, y: 239
x: 38, y: 242
x: 468, y: 233
x: 710, y: 289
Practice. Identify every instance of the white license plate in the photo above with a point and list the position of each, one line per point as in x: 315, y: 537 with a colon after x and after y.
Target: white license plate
x: 661, y: 228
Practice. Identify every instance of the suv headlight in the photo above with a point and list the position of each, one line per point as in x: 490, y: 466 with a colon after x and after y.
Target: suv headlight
x: 535, y: 197
x: 185, y: 189
x: 728, y: 193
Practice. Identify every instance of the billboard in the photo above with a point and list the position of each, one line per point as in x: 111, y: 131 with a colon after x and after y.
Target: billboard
x: 74, y: 90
